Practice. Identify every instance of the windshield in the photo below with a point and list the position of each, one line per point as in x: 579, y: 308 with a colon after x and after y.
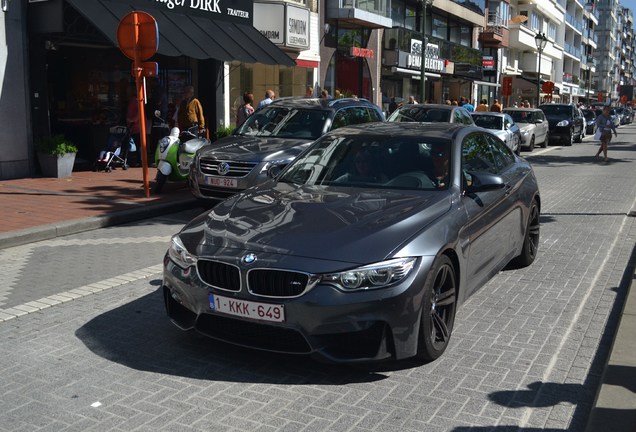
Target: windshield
x: 589, y: 115
x: 519, y: 116
x: 420, y: 114
x: 488, y: 121
x: 412, y: 163
x: 557, y: 110
x: 285, y: 123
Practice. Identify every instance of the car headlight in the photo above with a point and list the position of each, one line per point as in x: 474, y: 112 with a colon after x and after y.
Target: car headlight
x: 179, y: 255
x: 563, y: 123
x: 281, y: 162
x: 378, y: 275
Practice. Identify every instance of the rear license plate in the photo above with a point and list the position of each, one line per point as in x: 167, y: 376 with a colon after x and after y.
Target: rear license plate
x: 221, y: 182
x: 247, y: 309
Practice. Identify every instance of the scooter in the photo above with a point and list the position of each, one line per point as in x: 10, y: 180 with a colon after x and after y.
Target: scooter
x: 174, y: 155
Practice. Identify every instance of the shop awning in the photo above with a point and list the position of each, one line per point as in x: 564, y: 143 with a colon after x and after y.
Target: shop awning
x: 190, y: 36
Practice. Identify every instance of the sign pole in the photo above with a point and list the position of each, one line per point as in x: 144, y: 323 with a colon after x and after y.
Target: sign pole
x: 138, y: 38
x: 141, y: 109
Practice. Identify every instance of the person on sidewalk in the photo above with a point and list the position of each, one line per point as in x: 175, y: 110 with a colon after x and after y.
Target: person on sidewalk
x: 606, y: 126
x: 269, y: 97
x: 190, y: 111
x: 246, y: 109
x: 483, y: 106
x: 496, y: 106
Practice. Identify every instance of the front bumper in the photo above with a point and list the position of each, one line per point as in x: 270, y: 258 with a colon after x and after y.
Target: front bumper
x: 324, y: 322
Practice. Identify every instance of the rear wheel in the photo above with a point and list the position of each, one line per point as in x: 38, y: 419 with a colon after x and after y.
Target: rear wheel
x: 438, y: 310
x: 160, y: 180
x: 531, y: 240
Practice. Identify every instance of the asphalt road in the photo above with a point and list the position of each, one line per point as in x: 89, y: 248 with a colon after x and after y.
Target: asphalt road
x: 526, y: 352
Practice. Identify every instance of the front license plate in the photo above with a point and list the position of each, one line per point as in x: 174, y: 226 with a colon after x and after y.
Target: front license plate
x: 247, y: 309
x: 221, y: 182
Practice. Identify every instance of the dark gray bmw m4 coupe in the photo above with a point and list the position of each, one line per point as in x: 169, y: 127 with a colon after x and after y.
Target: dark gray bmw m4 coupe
x: 362, y: 248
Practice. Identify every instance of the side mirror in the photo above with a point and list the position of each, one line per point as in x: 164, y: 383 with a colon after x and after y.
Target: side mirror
x: 538, y: 121
x: 483, y: 182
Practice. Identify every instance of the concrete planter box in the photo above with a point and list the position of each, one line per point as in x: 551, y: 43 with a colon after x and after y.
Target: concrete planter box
x: 56, y: 166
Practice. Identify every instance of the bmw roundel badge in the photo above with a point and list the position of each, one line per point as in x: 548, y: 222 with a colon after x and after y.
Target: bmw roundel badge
x: 249, y: 258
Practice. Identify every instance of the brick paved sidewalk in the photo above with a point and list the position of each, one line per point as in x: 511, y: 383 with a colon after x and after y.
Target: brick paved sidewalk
x: 40, y: 205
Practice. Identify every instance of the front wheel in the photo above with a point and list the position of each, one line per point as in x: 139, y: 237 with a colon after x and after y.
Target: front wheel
x: 531, y: 239
x: 438, y: 310
x: 531, y: 146
x: 160, y: 180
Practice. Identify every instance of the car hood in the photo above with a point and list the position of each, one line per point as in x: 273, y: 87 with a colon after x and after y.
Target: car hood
x: 554, y: 119
x: 526, y: 127
x: 338, y: 224
x: 254, y: 148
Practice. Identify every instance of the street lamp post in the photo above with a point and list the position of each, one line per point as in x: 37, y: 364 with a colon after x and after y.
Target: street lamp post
x: 425, y: 4
x: 540, y: 40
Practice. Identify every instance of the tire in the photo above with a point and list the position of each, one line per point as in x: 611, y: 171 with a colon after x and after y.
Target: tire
x: 579, y: 137
x: 438, y: 310
x: 531, y: 146
x: 570, y: 140
x: 546, y: 141
x: 531, y: 239
x: 160, y: 181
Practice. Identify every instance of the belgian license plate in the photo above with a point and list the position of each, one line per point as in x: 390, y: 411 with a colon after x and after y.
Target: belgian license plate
x: 221, y: 182
x: 247, y: 309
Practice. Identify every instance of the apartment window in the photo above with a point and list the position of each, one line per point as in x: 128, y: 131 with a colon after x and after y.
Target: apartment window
x: 536, y: 23
x: 552, y: 31
x: 439, y: 27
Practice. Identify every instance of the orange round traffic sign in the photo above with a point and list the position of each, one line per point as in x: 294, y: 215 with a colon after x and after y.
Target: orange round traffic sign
x: 138, y: 36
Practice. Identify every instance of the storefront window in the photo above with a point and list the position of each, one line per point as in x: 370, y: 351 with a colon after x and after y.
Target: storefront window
x: 258, y: 78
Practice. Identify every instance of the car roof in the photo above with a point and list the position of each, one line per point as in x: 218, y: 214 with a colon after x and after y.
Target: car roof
x: 435, y: 106
x: 521, y: 109
x: 488, y: 113
x: 320, y: 103
x: 392, y: 129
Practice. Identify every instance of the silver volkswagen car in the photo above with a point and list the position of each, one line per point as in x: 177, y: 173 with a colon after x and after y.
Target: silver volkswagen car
x: 362, y: 248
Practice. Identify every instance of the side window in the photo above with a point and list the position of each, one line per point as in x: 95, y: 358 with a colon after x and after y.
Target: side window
x: 374, y: 116
x: 477, y: 155
x: 457, y: 117
x: 341, y: 119
x: 467, y: 118
x: 501, y: 153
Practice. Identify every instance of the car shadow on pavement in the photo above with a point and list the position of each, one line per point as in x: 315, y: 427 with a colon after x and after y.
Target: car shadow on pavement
x: 140, y: 336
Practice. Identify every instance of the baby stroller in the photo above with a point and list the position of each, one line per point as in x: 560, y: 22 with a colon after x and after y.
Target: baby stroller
x: 115, y: 153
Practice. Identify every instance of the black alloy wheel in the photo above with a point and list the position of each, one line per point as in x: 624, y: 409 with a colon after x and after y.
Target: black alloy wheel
x: 438, y: 310
x: 531, y: 240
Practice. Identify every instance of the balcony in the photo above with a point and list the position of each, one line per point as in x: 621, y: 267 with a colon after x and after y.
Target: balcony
x: 496, y: 33
x: 360, y: 13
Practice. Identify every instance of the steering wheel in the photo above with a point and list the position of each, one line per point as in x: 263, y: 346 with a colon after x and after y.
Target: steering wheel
x: 412, y: 180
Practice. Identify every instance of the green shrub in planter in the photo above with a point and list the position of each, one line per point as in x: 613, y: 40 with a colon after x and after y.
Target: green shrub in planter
x: 223, y: 132
x: 55, y: 145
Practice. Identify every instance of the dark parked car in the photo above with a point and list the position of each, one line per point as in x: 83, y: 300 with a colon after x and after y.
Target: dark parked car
x: 362, y: 248
x: 566, y: 123
x: 275, y: 134
x: 431, y: 113
x: 590, y: 121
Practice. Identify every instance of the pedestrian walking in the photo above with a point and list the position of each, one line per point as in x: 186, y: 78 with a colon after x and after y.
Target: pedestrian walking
x: 604, y: 128
x: 269, y: 97
x: 245, y: 110
x: 412, y: 100
x: 496, y: 106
